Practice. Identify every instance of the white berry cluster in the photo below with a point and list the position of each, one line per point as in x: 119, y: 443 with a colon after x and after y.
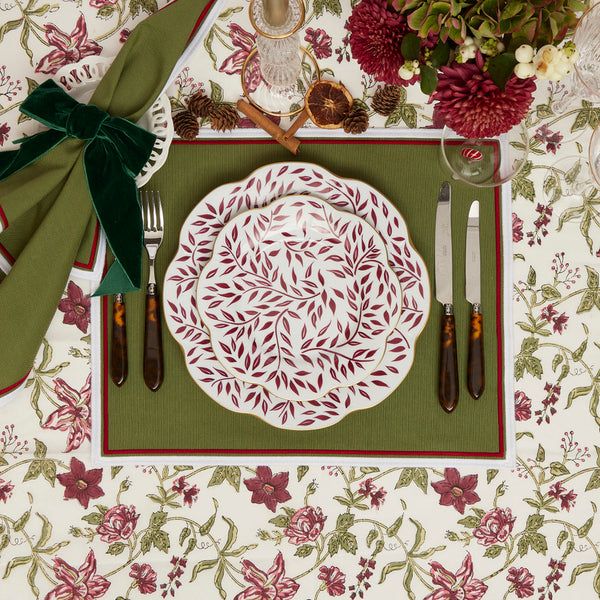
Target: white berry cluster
x: 549, y: 62
x: 468, y: 49
x: 409, y: 69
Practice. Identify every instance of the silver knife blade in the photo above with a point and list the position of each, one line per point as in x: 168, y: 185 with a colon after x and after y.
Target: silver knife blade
x: 472, y: 257
x: 443, y: 246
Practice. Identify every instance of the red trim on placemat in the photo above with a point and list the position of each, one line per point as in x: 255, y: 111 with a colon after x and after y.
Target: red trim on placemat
x: 7, y: 255
x: 90, y: 263
x: 200, y: 19
x: 302, y: 452
x: 14, y: 386
x: 3, y: 218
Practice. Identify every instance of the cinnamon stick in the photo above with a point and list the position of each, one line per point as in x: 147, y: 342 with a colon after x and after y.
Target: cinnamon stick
x: 277, y: 133
x: 300, y: 120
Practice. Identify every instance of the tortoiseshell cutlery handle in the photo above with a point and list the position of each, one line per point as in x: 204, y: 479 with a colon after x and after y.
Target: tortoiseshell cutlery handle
x: 475, y: 368
x: 448, y: 390
x: 153, y: 350
x: 118, y: 354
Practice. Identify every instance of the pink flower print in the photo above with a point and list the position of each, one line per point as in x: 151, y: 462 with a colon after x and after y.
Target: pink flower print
x: 567, y: 501
x: 6, y: 488
x: 144, y: 576
x: 495, y: 526
x: 4, y: 129
x: 118, y: 523
x: 559, y: 492
x: 552, y: 139
x: 368, y: 489
x: 517, y: 228
x: 559, y: 324
x: 455, y: 490
x: 102, y: 3
x: 74, y: 414
x: 456, y: 586
x: 244, y: 42
x: 76, y: 307
x: 334, y: 580
x: 305, y: 525
x: 377, y: 498
x: 320, y: 42
x: 522, y: 407
x: 69, y: 48
x: 78, y: 584
x: 548, y: 313
x: 189, y: 492
x: 269, y: 585
x: 268, y: 489
x: 81, y: 484
x: 190, y: 495
x: 521, y: 580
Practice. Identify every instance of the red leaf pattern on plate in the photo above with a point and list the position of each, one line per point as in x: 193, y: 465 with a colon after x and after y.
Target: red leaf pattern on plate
x: 299, y: 298
x: 196, y: 243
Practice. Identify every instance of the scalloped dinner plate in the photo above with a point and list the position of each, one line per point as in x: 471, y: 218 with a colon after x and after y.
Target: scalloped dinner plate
x: 196, y: 244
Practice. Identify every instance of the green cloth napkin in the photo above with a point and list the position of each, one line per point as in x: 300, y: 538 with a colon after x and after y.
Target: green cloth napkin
x: 48, y: 205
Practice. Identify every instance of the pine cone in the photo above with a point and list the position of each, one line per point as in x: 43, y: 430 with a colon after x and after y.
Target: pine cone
x: 386, y: 99
x: 357, y: 120
x: 186, y: 125
x: 200, y: 105
x: 224, y: 117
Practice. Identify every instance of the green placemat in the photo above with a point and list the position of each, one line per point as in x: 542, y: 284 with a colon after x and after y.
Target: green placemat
x: 181, y: 419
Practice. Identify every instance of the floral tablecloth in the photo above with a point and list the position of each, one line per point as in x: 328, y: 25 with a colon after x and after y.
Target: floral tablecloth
x: 69, y: 530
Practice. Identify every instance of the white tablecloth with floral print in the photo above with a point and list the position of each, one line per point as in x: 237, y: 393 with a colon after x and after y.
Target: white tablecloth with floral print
x: 69, y: 530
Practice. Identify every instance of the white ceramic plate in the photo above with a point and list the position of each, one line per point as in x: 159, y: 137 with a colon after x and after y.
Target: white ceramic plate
x: 259, y: 189
x: 298, y: 297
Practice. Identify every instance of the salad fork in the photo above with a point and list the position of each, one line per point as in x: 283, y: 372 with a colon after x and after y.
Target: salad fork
x: 152, y: 214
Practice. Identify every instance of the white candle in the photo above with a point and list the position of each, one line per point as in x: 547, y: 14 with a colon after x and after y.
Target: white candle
x: 276, y: 12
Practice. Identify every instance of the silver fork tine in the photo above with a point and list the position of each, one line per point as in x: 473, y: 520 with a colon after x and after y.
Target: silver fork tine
x: 145, y: 208
x: 160, y: 213
x: 152, y: 206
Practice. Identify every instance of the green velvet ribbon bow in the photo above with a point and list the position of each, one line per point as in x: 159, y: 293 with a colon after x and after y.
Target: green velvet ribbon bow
x: 115, y: 151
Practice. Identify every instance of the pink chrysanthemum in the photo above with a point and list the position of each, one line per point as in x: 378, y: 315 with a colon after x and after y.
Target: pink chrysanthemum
x: 472, y: 105
x: 376, y: 32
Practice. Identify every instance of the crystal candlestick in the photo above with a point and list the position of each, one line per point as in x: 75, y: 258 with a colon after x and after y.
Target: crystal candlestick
x: 277, y: 23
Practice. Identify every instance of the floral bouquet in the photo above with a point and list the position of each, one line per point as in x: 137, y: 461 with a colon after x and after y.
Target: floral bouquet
x: 477, y: 59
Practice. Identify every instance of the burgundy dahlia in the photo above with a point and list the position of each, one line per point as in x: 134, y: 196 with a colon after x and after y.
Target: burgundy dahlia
x: 471, y: 104
x: 376, y: 32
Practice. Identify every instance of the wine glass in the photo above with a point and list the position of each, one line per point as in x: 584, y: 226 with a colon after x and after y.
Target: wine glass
x: 584, y: 81
x: 485, y: 162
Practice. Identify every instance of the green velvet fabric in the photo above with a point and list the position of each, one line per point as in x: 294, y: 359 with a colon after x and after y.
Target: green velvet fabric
x: 114, y: 152
x: 47, y: 203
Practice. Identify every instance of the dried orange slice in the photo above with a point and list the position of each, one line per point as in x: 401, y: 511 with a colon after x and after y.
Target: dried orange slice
x: 328, y: 104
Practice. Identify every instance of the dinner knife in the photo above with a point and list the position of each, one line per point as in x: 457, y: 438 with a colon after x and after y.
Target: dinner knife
x: 448, y: 376
x: 475, y: 368
x: 118, y: 352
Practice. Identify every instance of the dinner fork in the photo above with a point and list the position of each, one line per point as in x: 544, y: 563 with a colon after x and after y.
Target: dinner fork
x: 152, y: 214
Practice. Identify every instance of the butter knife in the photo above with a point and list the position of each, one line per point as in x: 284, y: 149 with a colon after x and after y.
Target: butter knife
x: 448, y: 382
x: 475, y: 368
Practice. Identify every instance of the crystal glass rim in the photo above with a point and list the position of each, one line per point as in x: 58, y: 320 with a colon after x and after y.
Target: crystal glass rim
x: 455, y: 136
